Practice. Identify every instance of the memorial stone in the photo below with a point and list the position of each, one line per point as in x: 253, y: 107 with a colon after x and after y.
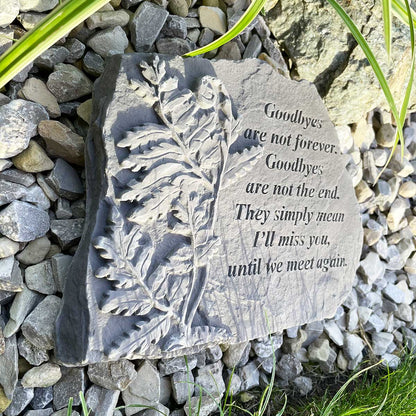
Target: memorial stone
x: 219, y: 210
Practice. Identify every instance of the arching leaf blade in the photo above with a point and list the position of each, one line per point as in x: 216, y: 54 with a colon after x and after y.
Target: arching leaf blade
x: 47, y: 32
x: 399, y: 9
x: 373, y: 62
x: 387, y: 25
x: 253, y: 10
x: 406, y: 99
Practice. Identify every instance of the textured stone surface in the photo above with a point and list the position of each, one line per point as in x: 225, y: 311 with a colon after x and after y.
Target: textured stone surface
x: 35, y: 251
x: 106, y: 19
x: 68, y: 232
x: 68, y: 83
x: 112, y: 376
x: 23, y: 222
x: 147, y: 22
x: 144, y: 389
x: 45, y: 375
x: 101, y: 401
x: 331, y: 58
x: 65, y: 180
x: 8, y: 11
x: 10, y: 275
x: 109, y: 42
x: 37, y: 5
x: 19, y: 120
x: 21, y: 398
x: 32, y: 354
x: 33, y: 159
x: 42, y: 397
x: 39, y: 326
x: 22, y: 305
x: 37, y: 91
x: 70, y: 385
x: 8, y: 247
x: 39, y: 277
x: 300, y: 255
x: 9, y: 371
x: 213, y: 18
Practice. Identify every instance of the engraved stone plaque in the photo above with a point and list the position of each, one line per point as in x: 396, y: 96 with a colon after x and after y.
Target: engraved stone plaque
x: 218, y: 210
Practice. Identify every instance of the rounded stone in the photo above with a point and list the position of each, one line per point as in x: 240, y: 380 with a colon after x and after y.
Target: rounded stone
x: 45, y: 375
x: 109, y: 42
x: 37, y: 5
x: 33, y: 159
x: 213, y: 18
x: 61, y: 141
x: 407, y: 189
x: 178, y: 7
x: 386, y: 136
x: 36, y: 90
x: 9, y: 9
x: 68, y: 83
x: 8, y: 247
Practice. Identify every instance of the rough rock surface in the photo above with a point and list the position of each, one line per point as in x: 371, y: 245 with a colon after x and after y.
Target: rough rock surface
x: 331, y: 59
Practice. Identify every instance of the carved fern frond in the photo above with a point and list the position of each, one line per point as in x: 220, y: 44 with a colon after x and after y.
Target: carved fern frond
x: 239, y: 164
x: 141, y: 339
x: 179, y: 166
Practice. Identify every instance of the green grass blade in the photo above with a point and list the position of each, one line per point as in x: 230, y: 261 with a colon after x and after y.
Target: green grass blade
x: 84, y: 406
x: 340, y: 392
x: 399, y: 9
x: 387, y: 25
x: 69, y: 411
x: 372, y: 60
x: 383, y: 403
x: 405, y: 103
x: 56, y: 25
x: 248, y: 16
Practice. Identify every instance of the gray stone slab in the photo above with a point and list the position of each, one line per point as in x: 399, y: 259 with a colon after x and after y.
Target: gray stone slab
x: 216, y: 194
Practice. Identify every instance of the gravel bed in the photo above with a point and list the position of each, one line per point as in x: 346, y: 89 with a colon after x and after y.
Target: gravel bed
x: 44, y: 118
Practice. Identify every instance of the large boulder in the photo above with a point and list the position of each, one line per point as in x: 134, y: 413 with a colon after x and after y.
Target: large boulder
x: 324, y: 52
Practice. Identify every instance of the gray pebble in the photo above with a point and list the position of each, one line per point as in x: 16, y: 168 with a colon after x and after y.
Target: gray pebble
x: 253, y: 48
x: 65, y: 180
x: 173, y: 46
x: 101, y: 401
x: 109, y: 42
x: 147, y: 22
x: 68, y: 83
x: 39, y: 277
x: 175, y: 27
x: 68, y: 232
x: 23, y: 222
x: 21, y: 398
x: 42, y: 397
x: 10, y: 275
x: 76, y: 50
x: 70, y: 385
x: 33, y: 355
x: 23, y: 303
x: 113, y: 375
x: 39, y: 326
x: 51, y: 57
x: 93, y: 64
x: 19, y: 120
